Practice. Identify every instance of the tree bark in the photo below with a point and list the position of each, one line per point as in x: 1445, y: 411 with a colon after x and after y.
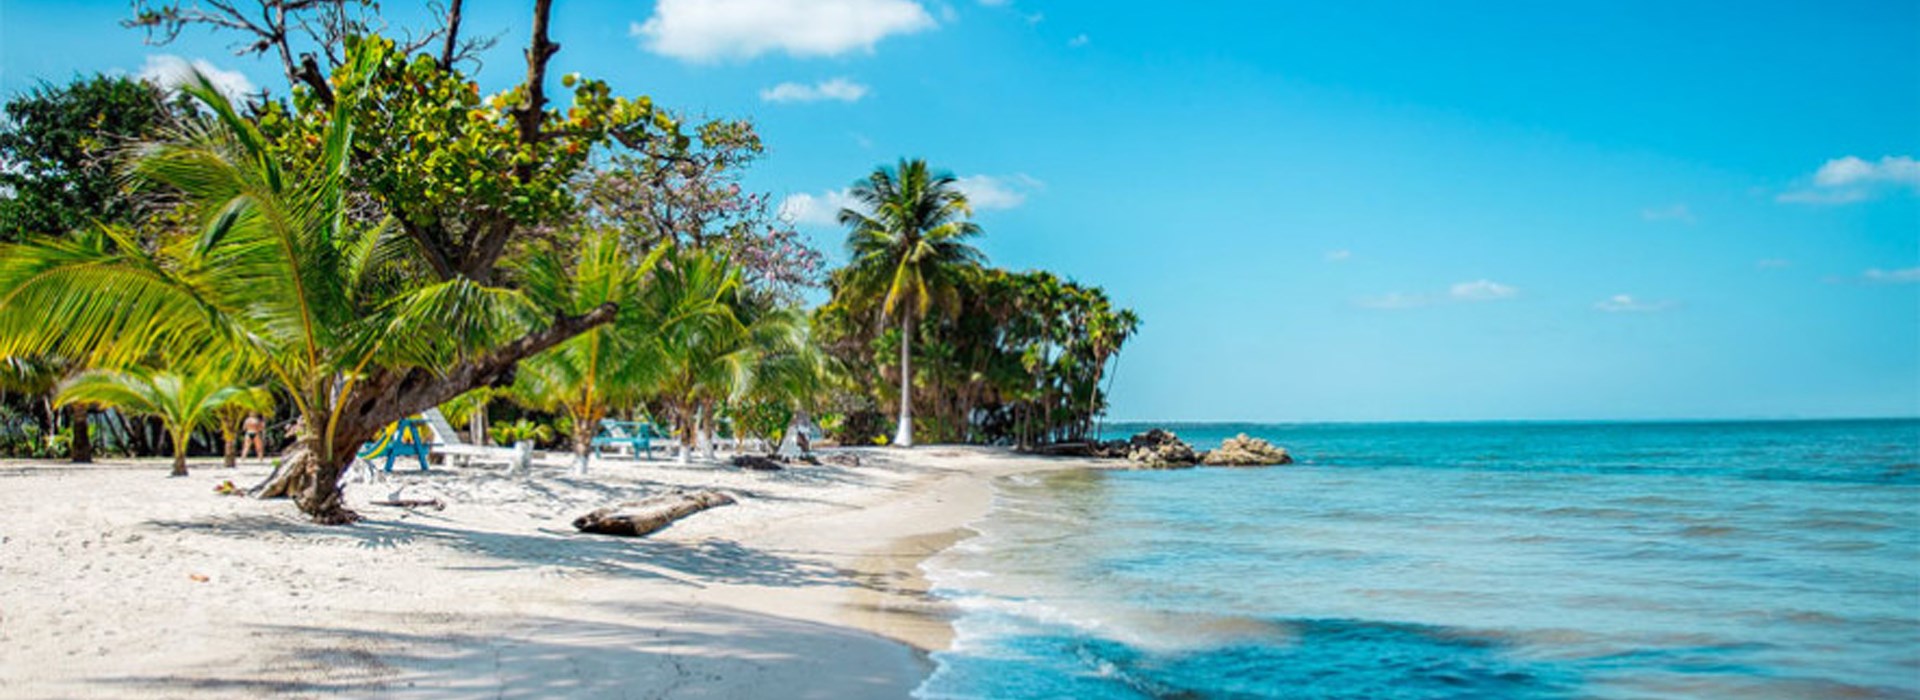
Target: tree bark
x: 647, y: 516
x: 228, y: 456
x: 81, y: 450
x: 582, y: 444
x: 179, y: 457
x: 903, y: 436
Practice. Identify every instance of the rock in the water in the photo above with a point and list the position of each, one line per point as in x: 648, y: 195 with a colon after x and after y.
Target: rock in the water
x: 1243, y: 451
x: 1160, y: 449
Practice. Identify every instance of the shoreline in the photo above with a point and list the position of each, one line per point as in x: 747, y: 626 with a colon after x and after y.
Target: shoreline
x: 120, y: 582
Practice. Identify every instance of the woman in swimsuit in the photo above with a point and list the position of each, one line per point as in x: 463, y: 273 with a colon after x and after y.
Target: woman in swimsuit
x: 256, y: 430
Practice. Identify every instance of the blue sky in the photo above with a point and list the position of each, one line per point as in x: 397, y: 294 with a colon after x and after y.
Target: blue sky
x: 1332, y: 211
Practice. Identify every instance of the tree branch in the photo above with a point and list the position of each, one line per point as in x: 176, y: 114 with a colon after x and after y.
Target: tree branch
x: 529, y: 114
x: 431, y: 247
x: 393, y: 394
x: 452, y: 29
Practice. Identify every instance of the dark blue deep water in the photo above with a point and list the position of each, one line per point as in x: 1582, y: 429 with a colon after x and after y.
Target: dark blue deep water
x: 1493, y: 560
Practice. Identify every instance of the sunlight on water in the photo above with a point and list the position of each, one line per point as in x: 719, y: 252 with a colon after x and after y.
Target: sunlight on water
x: 1771, y: 560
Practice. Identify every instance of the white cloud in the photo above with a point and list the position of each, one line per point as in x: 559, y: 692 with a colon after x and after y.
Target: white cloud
x: 1876, y: 275
x: 990, y: 192
x: 1339, y: 255
x: 840, y: 89
x: 821, y: 210
x: 1464, y: 292
x: 1482, y: 290
x: 1079, y: 41
x: 710, y: 30
x: 1853, y: 179
x: 1814, y: 196
x: 1840, y: 172
x: 170, y: 72
x: 1677, y: 212
x: 1625, y: 303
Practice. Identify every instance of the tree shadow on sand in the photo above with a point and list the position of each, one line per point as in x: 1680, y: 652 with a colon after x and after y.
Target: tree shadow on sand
x: 650, y: 651
x: 695, y: 563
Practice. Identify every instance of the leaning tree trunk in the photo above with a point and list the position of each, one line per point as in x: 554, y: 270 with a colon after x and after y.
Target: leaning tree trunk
x: 81, y: 452
x: 903, y: 436
x: 311, y: 475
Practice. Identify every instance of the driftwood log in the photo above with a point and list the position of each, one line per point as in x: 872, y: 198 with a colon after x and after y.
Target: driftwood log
x: 642, y: 517
x: 758, y: 463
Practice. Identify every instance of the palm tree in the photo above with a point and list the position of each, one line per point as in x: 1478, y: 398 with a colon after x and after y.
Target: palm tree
x: 183, y: 403
x: 909, y: 248
x: 606, y: 366
x: 341, y: 313
x: 715, y: 343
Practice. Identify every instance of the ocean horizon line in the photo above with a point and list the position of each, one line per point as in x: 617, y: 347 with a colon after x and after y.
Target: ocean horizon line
x: 1515, y: 421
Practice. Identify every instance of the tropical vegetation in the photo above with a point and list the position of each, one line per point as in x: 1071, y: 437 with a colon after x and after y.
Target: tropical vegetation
x: 183, y: 402
x: 386, y: 239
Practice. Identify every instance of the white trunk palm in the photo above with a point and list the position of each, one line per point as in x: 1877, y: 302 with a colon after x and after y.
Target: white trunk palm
x: 903, y: 435
x: 909, y: 251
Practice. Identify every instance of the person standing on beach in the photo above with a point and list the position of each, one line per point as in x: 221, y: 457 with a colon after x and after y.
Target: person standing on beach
x: 255, y: 436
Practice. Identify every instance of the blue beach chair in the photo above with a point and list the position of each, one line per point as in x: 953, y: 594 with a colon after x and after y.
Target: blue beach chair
x: 402, y: 438
x: 636, y: 436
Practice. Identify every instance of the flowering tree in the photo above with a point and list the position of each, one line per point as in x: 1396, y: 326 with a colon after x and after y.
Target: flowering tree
x: 694, y: 197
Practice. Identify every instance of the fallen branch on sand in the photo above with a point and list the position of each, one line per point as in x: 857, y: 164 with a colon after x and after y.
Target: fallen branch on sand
x: 433, y: 503
x: 646, y: 516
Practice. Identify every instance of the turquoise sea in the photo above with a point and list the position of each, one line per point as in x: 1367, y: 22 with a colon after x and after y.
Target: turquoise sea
x: 1487, y: 560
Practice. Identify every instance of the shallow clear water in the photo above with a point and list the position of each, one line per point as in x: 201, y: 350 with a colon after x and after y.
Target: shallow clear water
x: 1709, y: 560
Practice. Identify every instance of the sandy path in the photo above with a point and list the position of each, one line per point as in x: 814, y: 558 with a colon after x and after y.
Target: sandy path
x: 807, y: 588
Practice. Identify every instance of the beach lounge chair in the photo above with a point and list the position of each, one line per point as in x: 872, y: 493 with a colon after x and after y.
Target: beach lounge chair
x: 633, y: 437
x: 447, y: 443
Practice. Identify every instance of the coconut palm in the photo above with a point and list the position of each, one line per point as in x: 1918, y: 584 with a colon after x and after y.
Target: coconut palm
x: 607, y: 366
x: 182, y: 402
x: 909, y: 247
x: 337, y: 311
x: 713, y: 340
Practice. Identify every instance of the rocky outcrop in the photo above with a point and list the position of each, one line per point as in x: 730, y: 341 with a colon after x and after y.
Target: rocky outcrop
x: 1243, y: 451
x: 1160, y: 449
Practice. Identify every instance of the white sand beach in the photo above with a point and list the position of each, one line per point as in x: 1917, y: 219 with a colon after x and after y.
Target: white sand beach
x: 118, y: 582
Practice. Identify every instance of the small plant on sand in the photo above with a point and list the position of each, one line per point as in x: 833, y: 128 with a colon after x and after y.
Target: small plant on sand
x: 521, y: 430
